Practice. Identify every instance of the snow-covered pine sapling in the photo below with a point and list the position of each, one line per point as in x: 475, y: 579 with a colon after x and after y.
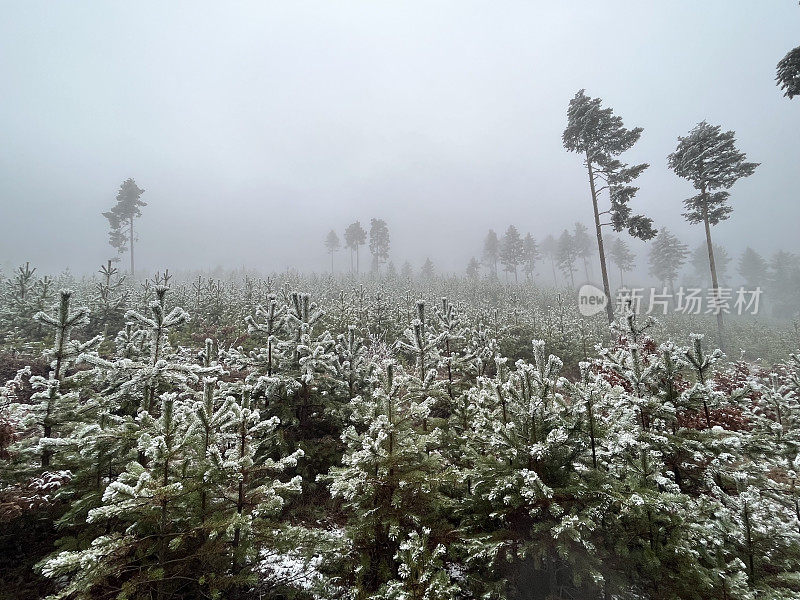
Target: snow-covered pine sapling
x: 197, y: 289
x: 42, y: 296
x: 19, y: 302
x: 482, y: 349
x: 361, y: 303
x: 632, y: 363
x: 670, y: 380
x: 158, y: 326
x: 783, y: 406
x: 109, y: 299
x: 131, y: 342
x: 51, y: 408
x: 213, y: 413
x: 794, y: 377
x: 22, y: 283
x: 639, y: 412
x: 309, y: 357
x: 420, y: 344
x: 387, y: 480
x: 588, y: 392
x: 452, y: 331
x: 763, y: 533
x: 302, y: 314
x: 255, y: 494
x: 270, y: 324
x: 379, y: 320
x: 151, y: 513
x: 63, y: 352
x: 702, y: 364
x: 421, y: 572
x: 64, y: 349
x: 317, y: 356
x: 532, y: 508
x: 353, y: 364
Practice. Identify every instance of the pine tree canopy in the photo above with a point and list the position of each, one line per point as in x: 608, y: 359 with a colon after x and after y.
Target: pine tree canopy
x: 332, y: 241
x: 127, y: 208
x: 379, y: 240
x: 355, y: 235
x: 667, y: 256
x: 788, y: 73
x: 709, y: 159
x: 599, y: 135
x: 621, y: 255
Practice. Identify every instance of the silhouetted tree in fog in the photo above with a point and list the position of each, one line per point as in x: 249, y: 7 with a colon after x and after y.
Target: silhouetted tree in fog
x: 427, y: 270
x: 530, y: 256
x: 567, y: 254
x: 511, y: 251
x: 491, y: 251
x: 473, y: 268
x: 332, y: 245
x: 753, y: 267
x: 622, y: 257
x: 121, y: 216
x: 354, y: 237
x: 667, y: 256
x: 700, y: 261
x: 379, y: 242
x: 583, y: 245
x: 550, y: 250
x: 784, y: 283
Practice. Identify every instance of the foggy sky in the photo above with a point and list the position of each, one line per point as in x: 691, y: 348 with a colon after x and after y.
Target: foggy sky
x: 256, y: 127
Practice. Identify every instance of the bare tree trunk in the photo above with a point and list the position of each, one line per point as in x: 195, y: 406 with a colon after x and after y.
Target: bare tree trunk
x: 131, y: 247
x: 713, y: 265
x: 672, y: 292
x: 600, y: 248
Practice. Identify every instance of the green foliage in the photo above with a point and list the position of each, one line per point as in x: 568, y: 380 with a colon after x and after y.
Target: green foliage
x: 599, y: 135
x: 384, y: 441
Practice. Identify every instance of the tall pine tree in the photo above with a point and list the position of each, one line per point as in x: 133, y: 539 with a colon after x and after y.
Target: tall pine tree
x: 121, y: 216
x: 599, y: 135
x: 708, y: 158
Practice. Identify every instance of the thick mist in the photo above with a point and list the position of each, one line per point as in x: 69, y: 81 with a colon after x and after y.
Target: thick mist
x: 256, y: 128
